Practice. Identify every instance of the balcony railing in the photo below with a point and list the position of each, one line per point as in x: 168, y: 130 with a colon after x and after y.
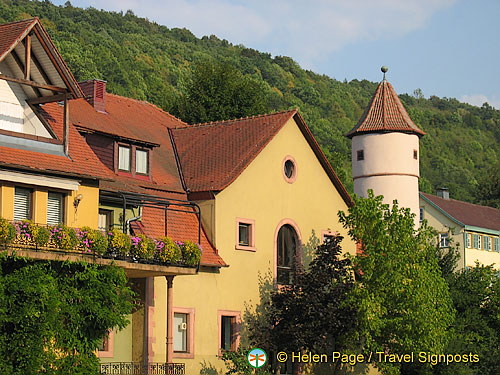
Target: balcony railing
x: 138, y: 368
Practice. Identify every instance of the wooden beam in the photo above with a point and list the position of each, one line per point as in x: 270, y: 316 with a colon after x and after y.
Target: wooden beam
x: 27, y: 58
x: 32, y: 84
x: 20, y: 65
x: 40, y: 69
x: 47, y: 99
x: 66, y: 125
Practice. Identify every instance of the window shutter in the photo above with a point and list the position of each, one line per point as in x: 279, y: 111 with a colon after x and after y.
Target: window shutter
x: 54, y: 208
x: 22, y: 204
x: 497, y: 244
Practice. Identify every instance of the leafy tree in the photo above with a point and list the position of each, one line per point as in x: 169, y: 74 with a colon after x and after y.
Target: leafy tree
x: 488, y: 190
x: 218, y: 91
x: 53, y: 315
x: 476, y: 331
x: 403, y: 301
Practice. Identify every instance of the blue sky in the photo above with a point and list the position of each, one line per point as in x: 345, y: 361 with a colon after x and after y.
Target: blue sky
x: 448, y: 48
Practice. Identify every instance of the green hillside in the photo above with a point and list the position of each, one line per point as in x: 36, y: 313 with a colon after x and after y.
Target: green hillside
x: 144, y: 60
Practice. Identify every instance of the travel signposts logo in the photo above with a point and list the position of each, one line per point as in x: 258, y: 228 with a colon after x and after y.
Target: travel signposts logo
x: 257, y: 358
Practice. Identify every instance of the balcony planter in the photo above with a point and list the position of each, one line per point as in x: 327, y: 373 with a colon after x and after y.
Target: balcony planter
x: 64, y: 237
x: 7, y: 232
x: 143, y: 248
x: 168, y: 251
x: 93, y: 241
x: 118, y: 244
x: 191, y: 253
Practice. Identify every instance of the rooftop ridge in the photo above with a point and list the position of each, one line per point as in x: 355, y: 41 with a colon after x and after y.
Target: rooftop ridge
x: 25, y: 20
x: 222, y: 122
x: 461, y: 202
x: 149, y: 103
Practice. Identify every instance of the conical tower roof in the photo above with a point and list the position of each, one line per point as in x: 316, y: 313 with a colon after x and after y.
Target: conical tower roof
x: 385, y: 113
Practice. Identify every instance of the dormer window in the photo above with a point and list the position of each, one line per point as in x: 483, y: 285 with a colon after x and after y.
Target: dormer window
x: 141, y: 161
x: 124, y: 158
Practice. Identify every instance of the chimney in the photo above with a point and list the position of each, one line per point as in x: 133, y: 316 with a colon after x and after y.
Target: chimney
x: 95, y: 93
x: 443, y: 192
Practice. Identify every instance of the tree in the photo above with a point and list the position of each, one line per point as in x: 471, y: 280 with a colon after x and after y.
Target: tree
x: 476, y: 331
x: 218, y: 91
x: 488, y: 190
x: 54, y: 315
x: 311, y: 314
x: 403, y: 301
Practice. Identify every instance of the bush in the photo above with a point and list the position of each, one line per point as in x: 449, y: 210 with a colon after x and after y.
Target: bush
x: 168, y: 251
x: 119, y: 242
x: 7, y: 231
x: 64, y: 237
x: 40, y: 235
x: 93, y: 240
x: 32, y: 232
x: 143, y: 247
x: 191, y: 253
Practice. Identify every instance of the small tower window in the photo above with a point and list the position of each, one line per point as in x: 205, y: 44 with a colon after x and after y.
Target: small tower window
x: 289, y: 169
x: 415, y: 154
x: 361, y: 155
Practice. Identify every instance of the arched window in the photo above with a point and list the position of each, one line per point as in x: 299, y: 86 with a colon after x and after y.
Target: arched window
x: 287, y: 252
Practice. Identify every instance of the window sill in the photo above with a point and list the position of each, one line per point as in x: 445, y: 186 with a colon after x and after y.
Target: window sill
x: 246, y: 248
x: 183, y: 355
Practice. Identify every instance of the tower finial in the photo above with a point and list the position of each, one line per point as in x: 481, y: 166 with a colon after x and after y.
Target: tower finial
x: 384, y: 70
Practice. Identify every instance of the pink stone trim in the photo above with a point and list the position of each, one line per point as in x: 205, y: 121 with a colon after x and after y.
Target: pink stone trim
x: 299, y: 244
x: 150, y: 312
x: 251, y: 241
x: 292, y: 179
x: 108, y: 353
x: 237, y: 315
x: 190, y: 334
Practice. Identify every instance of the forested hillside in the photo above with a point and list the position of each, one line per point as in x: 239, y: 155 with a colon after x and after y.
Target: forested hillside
x: 144, y: 60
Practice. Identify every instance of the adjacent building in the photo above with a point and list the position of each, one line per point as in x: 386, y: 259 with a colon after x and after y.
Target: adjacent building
x: 474, y: 228
x: 253, y: 193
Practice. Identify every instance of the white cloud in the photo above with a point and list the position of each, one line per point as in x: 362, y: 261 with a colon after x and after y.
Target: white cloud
x: 480, y: 99
x: 309, y: 31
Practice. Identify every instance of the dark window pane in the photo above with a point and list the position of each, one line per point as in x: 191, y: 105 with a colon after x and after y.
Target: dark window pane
x: 287, y: 250
x: 244, y: 234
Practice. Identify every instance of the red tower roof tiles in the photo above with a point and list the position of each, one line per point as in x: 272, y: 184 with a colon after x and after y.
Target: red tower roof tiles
x: 385, y: 113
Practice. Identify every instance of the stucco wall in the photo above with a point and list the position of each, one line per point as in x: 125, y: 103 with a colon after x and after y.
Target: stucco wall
x: 388, y: 168
x: 260, y: 193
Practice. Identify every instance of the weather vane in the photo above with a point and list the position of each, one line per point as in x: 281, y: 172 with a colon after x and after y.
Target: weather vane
x: 384, y: 70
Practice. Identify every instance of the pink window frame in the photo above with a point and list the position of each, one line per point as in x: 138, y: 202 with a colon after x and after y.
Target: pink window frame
x: 294, y: 225
x: 292, y: 179
x: 251, y: 241
x: 109, y: 353
x: 237, y: 316
x: 190, y: 334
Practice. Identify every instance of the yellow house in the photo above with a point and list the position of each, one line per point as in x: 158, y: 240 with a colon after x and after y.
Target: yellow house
x: 265, y: 190
x: 476, y: 229
x: 254, y: 193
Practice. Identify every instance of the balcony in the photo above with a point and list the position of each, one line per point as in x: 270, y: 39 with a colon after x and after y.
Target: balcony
x: 137, y: 368
x: 138, y: 256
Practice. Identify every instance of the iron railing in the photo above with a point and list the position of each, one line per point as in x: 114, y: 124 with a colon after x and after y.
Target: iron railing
x: 139, y: 368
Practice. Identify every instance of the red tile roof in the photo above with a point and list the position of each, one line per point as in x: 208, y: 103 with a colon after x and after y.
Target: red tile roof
x: 129, y: 119
x: 213, y: 155
x: 181, y: 227
x: 82, y: 162
x: 12, y: 33
x: 385, y: 113
x: 468, y: 213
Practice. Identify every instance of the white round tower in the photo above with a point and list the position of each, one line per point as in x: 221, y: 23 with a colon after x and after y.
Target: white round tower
x: 385, y: 150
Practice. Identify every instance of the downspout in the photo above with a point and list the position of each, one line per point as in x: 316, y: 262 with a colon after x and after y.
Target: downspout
x: 139, y: 217
x: 465, y: 248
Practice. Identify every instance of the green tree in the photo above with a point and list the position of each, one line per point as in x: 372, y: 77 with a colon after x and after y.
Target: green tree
x: 476, y: 331
x: 218, y: 91
x: 403, y: 301
x: 53, y: 315
x: 488, y: 190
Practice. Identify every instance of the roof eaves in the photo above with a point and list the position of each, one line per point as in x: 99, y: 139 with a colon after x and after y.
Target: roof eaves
x: 26, y: 31
x: 445, y: 213
x: 323, y: 160
x: 483, y: 230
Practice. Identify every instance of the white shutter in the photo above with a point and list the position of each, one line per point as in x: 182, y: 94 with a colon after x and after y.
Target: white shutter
x: 180, y: 332
x: 22, y: 204
x: 141, y: 161
x: 124, y: 158
x: 54, y: 208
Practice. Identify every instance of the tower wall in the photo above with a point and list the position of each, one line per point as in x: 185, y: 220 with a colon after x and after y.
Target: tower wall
x: 388, y: 167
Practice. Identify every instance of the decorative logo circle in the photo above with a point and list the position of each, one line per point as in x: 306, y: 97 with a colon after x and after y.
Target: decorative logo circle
x: 257, y: 358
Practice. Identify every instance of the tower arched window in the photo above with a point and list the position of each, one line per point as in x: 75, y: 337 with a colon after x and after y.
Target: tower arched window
x: 287, y: 247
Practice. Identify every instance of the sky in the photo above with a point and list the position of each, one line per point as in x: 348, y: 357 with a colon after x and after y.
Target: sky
x: 447, y: 48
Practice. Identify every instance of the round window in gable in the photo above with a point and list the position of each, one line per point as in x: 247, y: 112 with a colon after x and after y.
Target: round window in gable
x: 289, y: 169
